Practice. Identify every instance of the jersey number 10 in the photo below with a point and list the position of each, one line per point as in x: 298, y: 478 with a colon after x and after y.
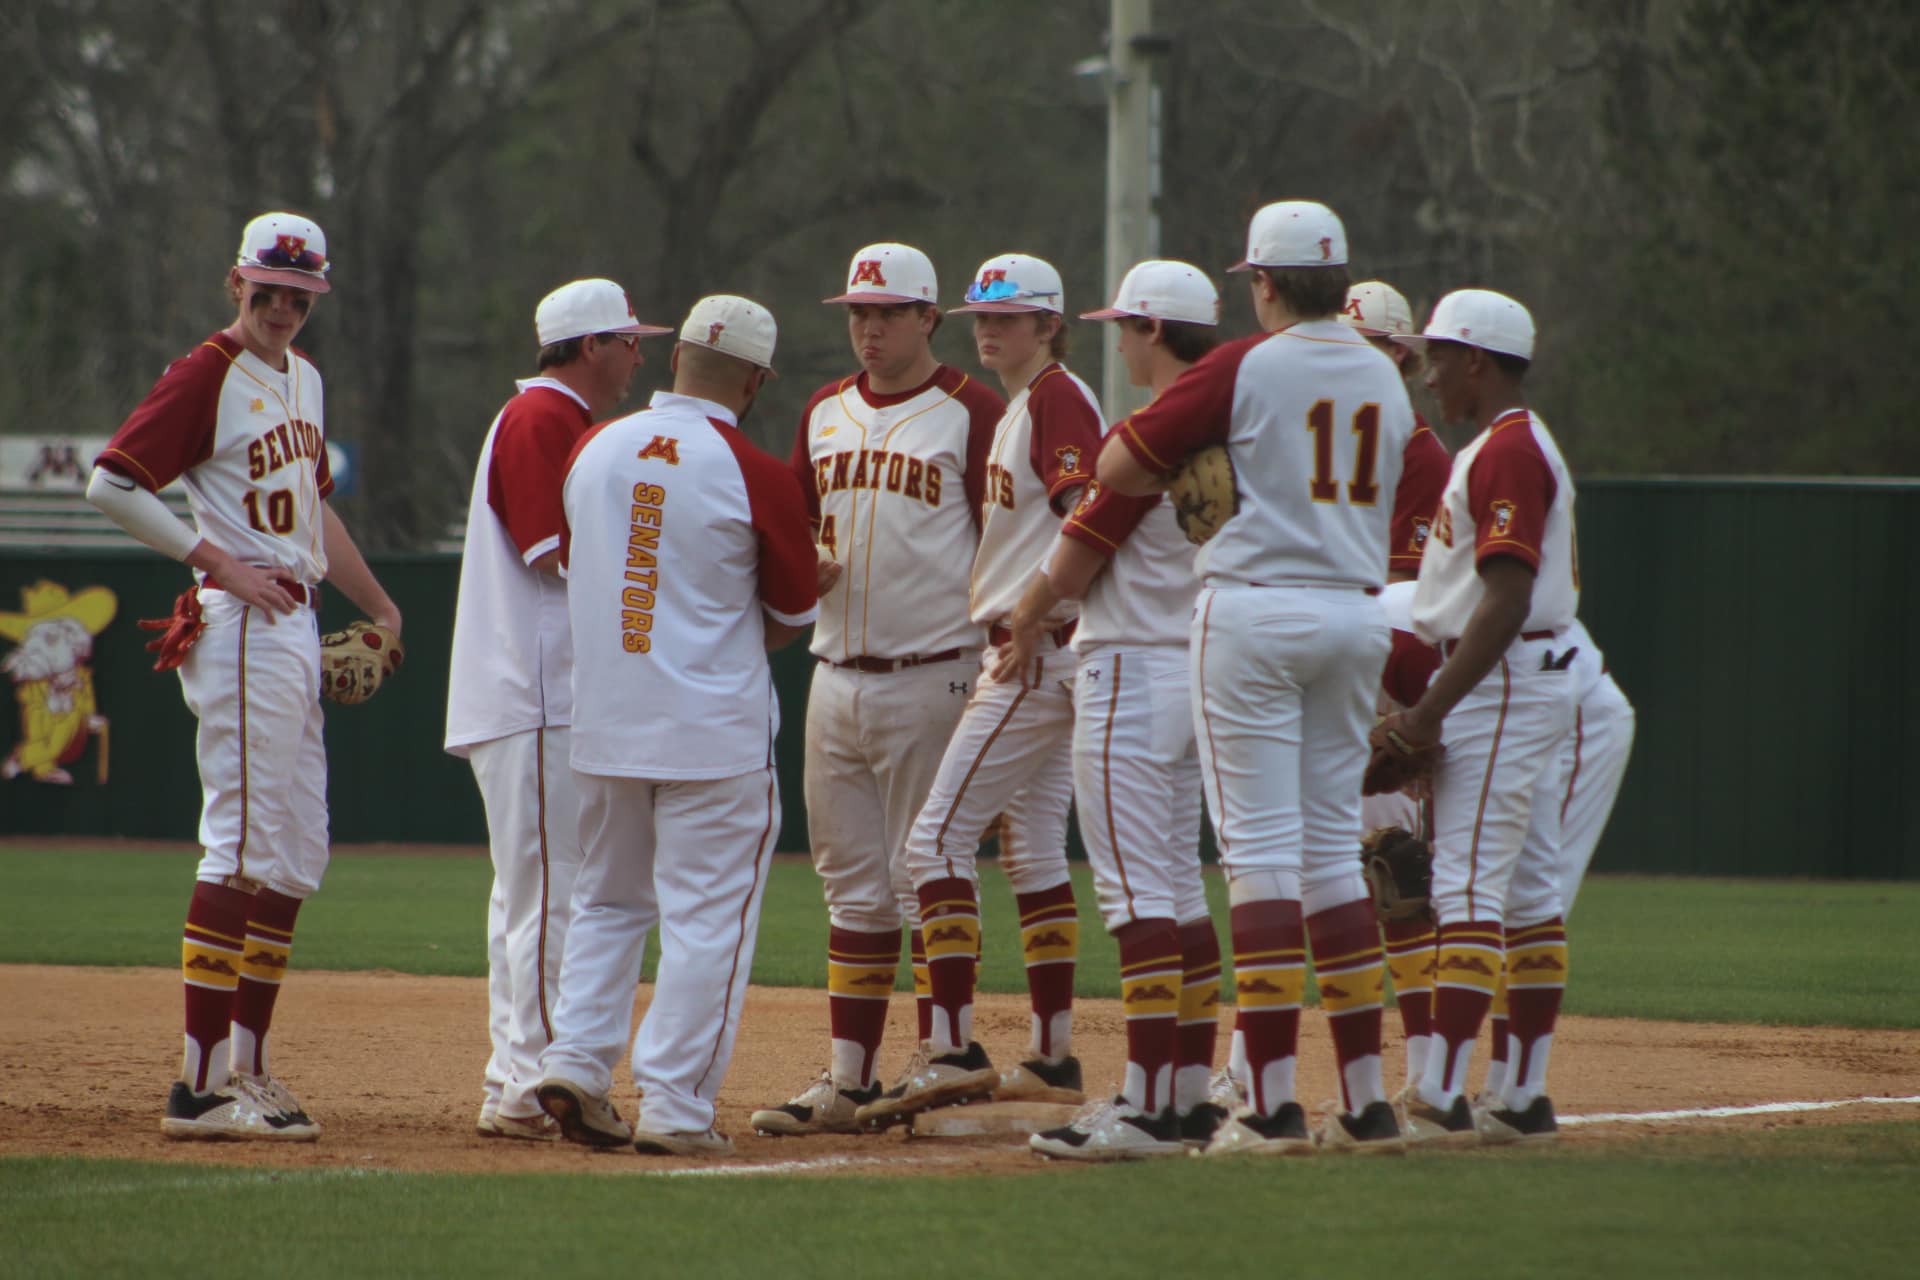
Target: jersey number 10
x: 1362, y: 491
x: 279, y: 511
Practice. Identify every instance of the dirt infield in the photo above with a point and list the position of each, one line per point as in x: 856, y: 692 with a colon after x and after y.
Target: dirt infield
x: 390, y: 1064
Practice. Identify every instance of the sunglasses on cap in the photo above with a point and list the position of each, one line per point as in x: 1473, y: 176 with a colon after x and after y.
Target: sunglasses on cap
x: 1004, y: 290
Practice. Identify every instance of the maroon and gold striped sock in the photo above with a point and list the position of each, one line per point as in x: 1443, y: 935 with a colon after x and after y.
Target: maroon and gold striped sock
x: 1150, y: 998
x: 950, y: 922
x: 212, y: 947
x: 269, y: 946
x: 1199, y: 1013
x: 1410, y: 954
x: 1350, y: 967
x: 861, y: 968
x: 922, y: 984
x: 1050, y: 942
x: 1270, y: 982
x: 1468, y: 967
x: 1496, y: 1083
x: 1536, y: 981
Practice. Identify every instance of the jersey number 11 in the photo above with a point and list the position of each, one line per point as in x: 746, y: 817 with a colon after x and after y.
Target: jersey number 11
x: 1361, y: 490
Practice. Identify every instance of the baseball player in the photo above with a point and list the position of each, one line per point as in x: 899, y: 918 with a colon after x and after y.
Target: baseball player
x: 892, y: 461
x: 1136, y: 769
x: 1379, y: 312
x: 509, y: 692
x: 688, y: 558
x: 1498, y: 591
x: 240, y: 420
x: 1012, y: 750
x: 1288, y: 641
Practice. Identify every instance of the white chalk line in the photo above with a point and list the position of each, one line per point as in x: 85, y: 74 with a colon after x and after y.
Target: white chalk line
x: 1718, y: 1113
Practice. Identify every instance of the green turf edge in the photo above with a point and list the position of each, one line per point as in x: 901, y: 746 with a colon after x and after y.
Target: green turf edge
x: 1794, y: 1201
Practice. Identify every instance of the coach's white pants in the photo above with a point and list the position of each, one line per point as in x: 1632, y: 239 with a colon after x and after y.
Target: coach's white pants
x: 533, y: 834
x: 1136, y: 783
x: 1572, y: 803
x: 692, y: 857
x: 1284, y: 680
x: 874, y: 744
x: 1502, y: 738
x: 1011, y: 754
x: 255, y: 687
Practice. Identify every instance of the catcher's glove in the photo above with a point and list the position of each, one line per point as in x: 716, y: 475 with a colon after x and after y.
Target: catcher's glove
x: 1398, y: 866
x: 355, y: 662
x: 1397, y: 762
x: 1203, y: 493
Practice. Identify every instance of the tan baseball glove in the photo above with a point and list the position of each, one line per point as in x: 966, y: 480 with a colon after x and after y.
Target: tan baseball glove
x: 354, y: 663
x: 1203, y: 493
x: 1398, y: 866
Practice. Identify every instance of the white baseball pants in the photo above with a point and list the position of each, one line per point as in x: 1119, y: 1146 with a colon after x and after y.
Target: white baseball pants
x: 1136, y: 782
x: 1284, y: 681
x: 1572, y: 803
x: 1502, y: 739
x: 533, y: 834
x: 874, y: 744
x: 1011, y: 753
x: 692, y: 858
x: 255, y: 687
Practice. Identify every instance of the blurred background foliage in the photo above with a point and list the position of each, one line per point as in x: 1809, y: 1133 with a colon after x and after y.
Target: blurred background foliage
x: 1708, y: 204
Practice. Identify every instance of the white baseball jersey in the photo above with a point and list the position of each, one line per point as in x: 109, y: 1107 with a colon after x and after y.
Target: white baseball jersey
x: 678, y: 533
x: 512, y: 667
x: 1510, y: 494
x: 249, y: 445
x: 1043, y: 451
x: 894, y: 485
x: 1317, y: 423
x: 1145, y: 596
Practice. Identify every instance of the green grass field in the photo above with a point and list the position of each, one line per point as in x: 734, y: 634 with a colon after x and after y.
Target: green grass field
x: 1784, y: 952
x: 1791, y: 1201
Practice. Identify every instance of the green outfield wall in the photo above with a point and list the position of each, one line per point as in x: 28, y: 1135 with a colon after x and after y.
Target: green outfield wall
x: 1768, y: 633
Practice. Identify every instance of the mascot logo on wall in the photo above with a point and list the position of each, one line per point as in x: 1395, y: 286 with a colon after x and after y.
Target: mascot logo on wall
x: 53, y: 681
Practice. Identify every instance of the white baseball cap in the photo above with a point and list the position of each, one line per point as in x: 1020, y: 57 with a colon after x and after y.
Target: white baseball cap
x: 733, y: 326
x: 587, y: 306
x: 1294, y: 233
x: 284, y: 248
x: 1481, y: 318
x: 1162, y: 290
x: 889, y: 273
x: 1015, y: 282
x: 1378, y: 310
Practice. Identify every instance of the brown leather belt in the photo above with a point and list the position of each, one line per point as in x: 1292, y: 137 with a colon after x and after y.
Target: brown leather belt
x: 300, y: 591
x: 1448, y: 646
x: 997, y: 634
x: 884, y: 665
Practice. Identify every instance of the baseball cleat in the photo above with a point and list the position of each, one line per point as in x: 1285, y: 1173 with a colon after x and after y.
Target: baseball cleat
x: 1499, y: 1125
x: 931, y: 1082
x: 583, y: 1116
x: 1037, y: 1080
x: 1198, y: 1126
x: 540, y: 1128
x: 822, y: 1107
x: 1431, y: 1126
x: 233, y: 1112
x: 487, y: 1122
x: 274, y: 1093
x: 1373, y: 1131
x: 1284, y: 1133
x: 1115, y: 1130
x: 709, y: 1143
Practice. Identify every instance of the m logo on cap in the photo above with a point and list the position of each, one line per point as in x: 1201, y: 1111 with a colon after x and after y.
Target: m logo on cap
x: 291, y: 246
x: 867, y: 272
x: 1353, y: 305
x: 1326, y: 248
x: 714, y: 331
x: 992, y: 276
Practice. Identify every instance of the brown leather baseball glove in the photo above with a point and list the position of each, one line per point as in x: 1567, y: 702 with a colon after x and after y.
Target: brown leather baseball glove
x: 1203, y: 494
x: 1398, y: 762
x: 1398, y: 866
x: 354, y: 663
